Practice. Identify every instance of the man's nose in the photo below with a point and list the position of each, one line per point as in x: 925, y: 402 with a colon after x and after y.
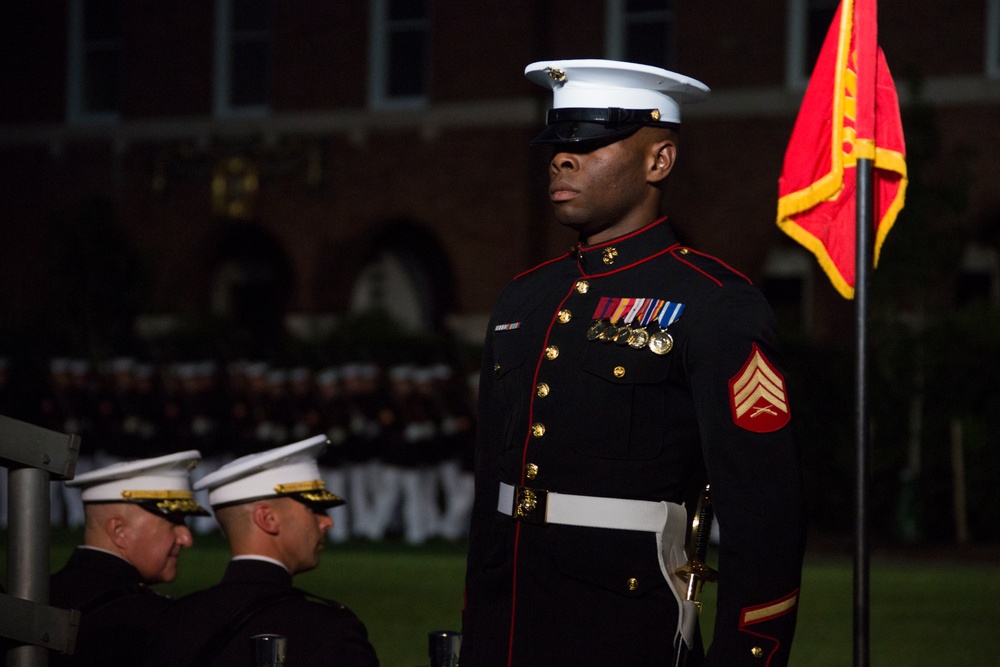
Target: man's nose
x: 182, y: 536
x: 325, y: 522
x: 563, y: 161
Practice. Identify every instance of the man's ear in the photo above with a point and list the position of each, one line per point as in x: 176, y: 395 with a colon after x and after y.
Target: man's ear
x: 118, y: 530
x: 664, y: 153
x: 266, y: 518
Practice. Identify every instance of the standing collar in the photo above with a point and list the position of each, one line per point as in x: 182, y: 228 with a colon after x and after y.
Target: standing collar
x: 106, y: 563
x: 257, y: 570
x: 625, y: 251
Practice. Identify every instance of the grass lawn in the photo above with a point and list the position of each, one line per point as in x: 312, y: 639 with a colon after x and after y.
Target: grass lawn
x: 924, y: 612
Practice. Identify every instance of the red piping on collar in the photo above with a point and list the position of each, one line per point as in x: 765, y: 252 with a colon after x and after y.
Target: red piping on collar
x: 545, y: 263
x: 619, y: 239
x: 714, y: 259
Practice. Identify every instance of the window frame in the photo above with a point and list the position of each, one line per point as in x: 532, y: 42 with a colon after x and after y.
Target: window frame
x: 992, y: 50
x: 222, y: 105
x: 76, y: 54
x: 616, y: 24
x: 379, y: 59
x: 797, y: 70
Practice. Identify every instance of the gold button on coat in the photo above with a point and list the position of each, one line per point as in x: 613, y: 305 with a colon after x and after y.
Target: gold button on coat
x: 633, y: 584
x: 564, y: 316
x: 496, y: 369
x: 551, y: 352
x: 542, y: 390
x: 757, y: 652
x: 582, y: 286
x: 619, y: 371
x: 538, y: 429
x: 531, y: 471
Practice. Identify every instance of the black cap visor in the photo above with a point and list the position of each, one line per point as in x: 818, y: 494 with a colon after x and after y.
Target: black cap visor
x: 589, y: 135
x: 318, y: 500
x: 596, y: 127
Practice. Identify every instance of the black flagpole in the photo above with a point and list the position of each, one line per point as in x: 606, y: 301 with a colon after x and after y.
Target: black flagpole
x: 863, y: 261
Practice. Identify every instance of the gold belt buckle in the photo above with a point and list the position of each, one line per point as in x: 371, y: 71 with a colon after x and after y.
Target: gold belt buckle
x: 529, y: 505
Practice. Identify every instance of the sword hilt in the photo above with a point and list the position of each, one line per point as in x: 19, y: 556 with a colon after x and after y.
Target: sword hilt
x: 695, y: 571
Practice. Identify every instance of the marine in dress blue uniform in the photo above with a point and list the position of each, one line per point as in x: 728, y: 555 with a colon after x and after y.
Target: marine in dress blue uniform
x: 617, y: 379
x: 272, y: 508
x: 135, y: 512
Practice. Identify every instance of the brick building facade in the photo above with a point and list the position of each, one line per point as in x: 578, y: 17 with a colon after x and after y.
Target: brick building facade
x: 336, y: 155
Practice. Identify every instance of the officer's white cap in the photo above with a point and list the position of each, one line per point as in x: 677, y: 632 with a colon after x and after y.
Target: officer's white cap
x: 289, y: 471
x: 607, y: 85
x: 160, y: 484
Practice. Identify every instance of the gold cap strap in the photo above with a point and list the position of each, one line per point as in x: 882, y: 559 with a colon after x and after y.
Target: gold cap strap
x: 156, y: 495
x: 300, y: 487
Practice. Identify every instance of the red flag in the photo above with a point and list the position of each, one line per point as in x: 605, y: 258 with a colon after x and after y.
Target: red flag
x: 850, y: 111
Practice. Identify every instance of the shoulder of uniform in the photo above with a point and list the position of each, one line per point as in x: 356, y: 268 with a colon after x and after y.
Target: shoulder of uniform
x: 709, y: 267
x: 317, y: 599
x: 535, y: 269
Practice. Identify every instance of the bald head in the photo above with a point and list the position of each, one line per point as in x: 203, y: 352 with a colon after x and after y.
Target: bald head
x: 280, y: 528
x: 237, y: 523
x: 149, y: 541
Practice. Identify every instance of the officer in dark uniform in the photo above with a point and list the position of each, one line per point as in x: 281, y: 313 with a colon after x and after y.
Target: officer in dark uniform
x: 134, y: 531
x: 272, y: 508
x: 616, y: 380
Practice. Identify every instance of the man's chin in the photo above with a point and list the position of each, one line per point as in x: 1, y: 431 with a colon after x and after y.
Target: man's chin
x: 569, y: 221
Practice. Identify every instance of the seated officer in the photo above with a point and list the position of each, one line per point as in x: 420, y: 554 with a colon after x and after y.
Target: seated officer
x: 133, y: 532
x: 272, y: 508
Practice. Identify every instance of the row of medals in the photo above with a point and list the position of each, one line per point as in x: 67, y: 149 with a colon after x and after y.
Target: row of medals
x: 658, y: 342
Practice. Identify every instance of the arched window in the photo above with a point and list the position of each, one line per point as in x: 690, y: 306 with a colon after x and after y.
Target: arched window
x: 251, y: 281
x: 407, y: 276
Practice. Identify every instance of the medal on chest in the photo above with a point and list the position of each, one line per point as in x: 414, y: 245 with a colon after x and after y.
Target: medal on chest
x: 640, y: 323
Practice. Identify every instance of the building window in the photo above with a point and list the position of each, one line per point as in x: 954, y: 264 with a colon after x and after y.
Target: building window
x: 993, y: 39
x: 808, y: 23
x: 787, y: 284
x: 95, y: 48
x: 642, y: 31
x: 978, y: 279
x: 243, y: 56
x: 400, y: 52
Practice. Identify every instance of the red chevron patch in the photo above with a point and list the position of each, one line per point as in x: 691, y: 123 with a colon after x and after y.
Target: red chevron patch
x: 757, y: 395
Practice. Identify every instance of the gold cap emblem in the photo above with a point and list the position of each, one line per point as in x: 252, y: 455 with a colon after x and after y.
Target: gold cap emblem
x: 556, y: 74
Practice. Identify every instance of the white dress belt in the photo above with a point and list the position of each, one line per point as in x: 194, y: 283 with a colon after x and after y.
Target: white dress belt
x: 593, y: 511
